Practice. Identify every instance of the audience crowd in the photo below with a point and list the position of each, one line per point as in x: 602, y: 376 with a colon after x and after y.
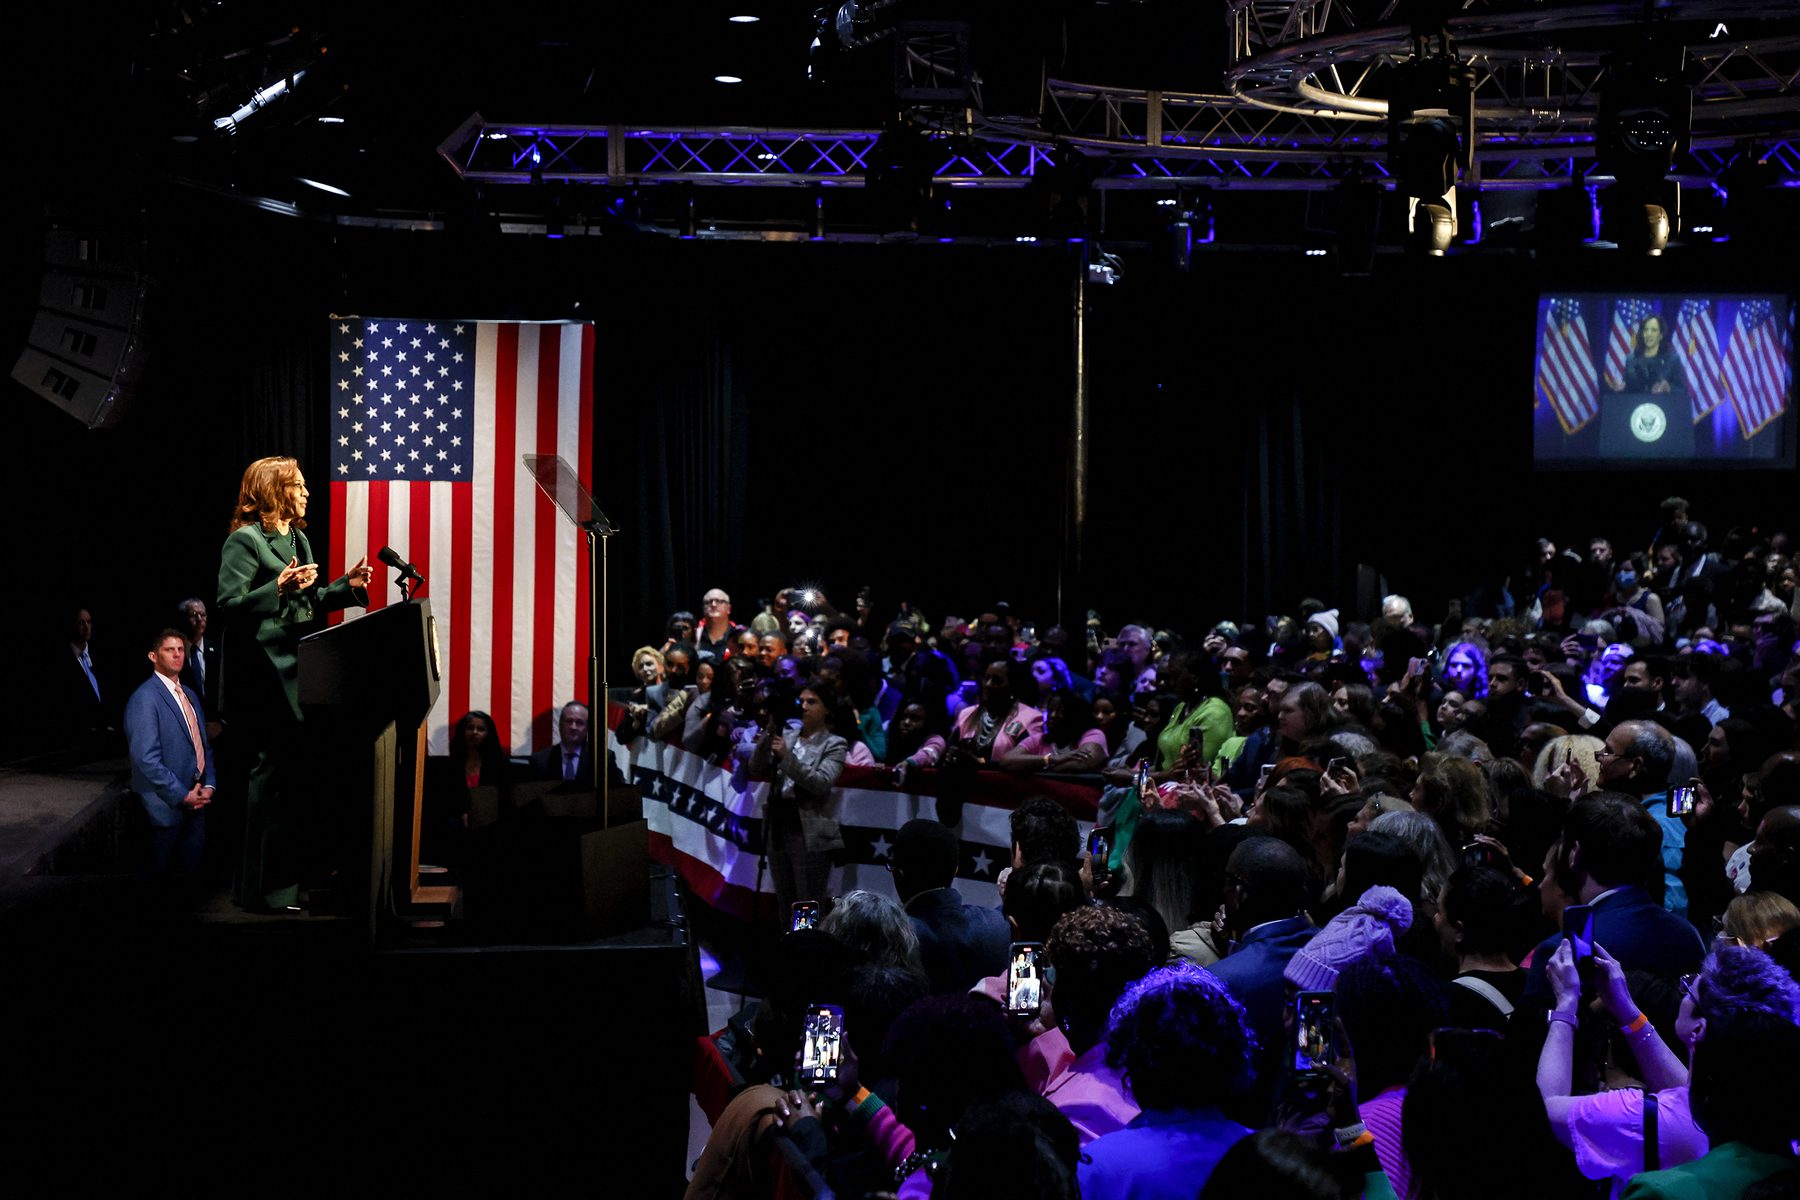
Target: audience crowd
x: 1501, y: 905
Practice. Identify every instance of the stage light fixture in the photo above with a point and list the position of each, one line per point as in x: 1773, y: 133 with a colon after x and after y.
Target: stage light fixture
x: 259, y: 99
x: 1431, y: 137
x: 728, y: 79
x: 744, y: 19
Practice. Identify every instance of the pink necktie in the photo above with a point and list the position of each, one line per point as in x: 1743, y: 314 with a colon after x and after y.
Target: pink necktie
x: 187, y: 710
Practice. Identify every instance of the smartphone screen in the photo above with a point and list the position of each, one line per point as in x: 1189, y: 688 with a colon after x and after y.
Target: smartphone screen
x: 1099, y: 848
x: 1477, y: 854
x: 1681, y: 800
x: 806, y: 915
x: 1024, y: 980
x: 821, y: 1047
x: 1315, y: 1019
x: 1578, y: 927
x: 1262, y: 780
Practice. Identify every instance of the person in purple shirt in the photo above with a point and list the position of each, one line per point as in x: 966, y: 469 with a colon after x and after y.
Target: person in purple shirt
x: 1183, y: 1044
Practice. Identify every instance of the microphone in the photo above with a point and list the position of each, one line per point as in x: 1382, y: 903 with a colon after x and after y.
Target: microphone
x: 388, y: 555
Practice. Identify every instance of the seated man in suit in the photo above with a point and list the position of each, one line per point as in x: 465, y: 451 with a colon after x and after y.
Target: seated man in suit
x: 960, y: 944
x: 171, y: 760
x: 571, y: 759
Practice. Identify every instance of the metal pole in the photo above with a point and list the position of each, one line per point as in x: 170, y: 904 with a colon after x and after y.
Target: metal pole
x: 1074, y: 557
x: 597, y: 681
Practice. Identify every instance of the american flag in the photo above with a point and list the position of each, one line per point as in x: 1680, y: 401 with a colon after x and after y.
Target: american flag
x: 1758, y: 367
x: 428, y: 423
x: 1565, y: 373
x: 1699, y: 345
x: 1626, y: 317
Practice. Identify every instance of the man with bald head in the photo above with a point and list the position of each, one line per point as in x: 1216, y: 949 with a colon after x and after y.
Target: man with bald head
x: 1636, y: 760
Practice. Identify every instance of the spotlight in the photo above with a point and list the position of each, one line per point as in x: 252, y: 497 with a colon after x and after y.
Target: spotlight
x: 1431, y: 135
x: 1433, y: 227
x: 728, y: 79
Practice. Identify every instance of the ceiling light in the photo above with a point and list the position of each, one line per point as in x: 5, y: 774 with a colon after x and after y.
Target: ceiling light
x: 331, y: 120
x: 744, y: 19
x: 728, y: 79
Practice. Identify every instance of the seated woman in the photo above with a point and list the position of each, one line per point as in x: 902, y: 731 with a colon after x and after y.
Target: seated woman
x: 916, y: 737
x: 991, y: 729
x: 1068, y: 743
x: 1203, y: 716
x: 476, y: 759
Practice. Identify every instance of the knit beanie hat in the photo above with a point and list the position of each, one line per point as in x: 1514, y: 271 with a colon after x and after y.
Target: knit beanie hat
x: 1367, y: 929
x: 1327, y: 620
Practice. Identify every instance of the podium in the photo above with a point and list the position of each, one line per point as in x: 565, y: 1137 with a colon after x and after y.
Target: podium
x: 367, y: 686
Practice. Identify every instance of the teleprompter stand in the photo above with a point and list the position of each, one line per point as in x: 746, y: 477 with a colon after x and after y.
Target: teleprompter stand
x: 615, y: 859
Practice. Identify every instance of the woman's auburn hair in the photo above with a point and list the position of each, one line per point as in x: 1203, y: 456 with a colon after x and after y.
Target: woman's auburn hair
x: 262, y: 496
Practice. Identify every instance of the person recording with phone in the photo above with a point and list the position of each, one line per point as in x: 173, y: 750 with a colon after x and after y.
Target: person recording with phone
x: 1610, y: 1131
x: 806, y: 758
x: 269, y: 593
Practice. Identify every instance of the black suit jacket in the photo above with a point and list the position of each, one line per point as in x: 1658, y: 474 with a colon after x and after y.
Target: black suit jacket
x: 959, y: 944
x: 209, y: 687
x: 548, y: 764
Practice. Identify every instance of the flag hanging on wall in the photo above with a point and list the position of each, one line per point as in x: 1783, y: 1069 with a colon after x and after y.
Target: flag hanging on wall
x: 1566, y: 375
x: 429, y: 419
x: 1699, y: 346
x: 1757, y: 366
x: 1627, y: 315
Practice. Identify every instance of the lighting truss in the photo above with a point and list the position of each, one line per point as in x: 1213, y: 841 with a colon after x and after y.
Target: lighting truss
x: 1304, y: 109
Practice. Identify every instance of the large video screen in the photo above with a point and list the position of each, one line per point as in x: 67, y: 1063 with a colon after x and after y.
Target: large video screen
x: 1664, y: 380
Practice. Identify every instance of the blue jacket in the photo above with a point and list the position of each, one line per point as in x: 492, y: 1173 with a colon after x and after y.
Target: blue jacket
x: 1640, y: 933
x: 1674, y: 833
x: 1253, y: 973
x: 1160, y: 1154
x: 960, y: 944
x: 162, y: 753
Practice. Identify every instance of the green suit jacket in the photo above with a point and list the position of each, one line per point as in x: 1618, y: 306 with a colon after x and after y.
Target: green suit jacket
x: 263, y: 627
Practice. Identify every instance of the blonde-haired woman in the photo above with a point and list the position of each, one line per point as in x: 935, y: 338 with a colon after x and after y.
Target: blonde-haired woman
x: 1564, y: 757
x: 269, y: 592
x: 1757, y: 918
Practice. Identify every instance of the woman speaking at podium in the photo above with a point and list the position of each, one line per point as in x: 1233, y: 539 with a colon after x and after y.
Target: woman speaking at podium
x: 1653, y: 368
x: 269, y: 591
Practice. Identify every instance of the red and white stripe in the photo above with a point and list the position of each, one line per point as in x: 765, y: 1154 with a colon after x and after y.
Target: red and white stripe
x: 1756, y: 372
x: 506, y: 572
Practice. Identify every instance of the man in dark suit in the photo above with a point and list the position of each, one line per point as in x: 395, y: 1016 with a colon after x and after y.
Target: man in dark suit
x: 171, y: 760
x: 202, y: 657
x: 1610, y: 857
x: 571, y: 759
x: 959, y: 944
x: 1267, y: 888
x: 77, y: 697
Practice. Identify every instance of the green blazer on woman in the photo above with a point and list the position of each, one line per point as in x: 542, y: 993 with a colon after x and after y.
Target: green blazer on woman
x: 257, y: 671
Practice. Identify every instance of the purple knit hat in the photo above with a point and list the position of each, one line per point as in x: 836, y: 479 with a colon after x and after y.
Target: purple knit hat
x: 1367, y: 929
